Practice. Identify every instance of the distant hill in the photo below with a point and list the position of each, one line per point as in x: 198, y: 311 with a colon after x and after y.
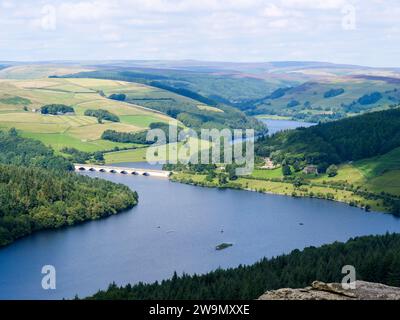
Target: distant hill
x: 322, y: 90
x: 177, y: 99
x: 329, y: 99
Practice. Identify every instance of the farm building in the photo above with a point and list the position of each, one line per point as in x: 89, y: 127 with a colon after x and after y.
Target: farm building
x: 311, y: 170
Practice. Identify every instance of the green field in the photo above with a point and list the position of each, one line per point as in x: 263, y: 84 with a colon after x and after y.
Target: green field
x: 388, y: 182
x: 267, y: 173
x: 20, y: 102
x: 376, y: 166
x: 136, y: 155
x: 139, y: 154
x: 376, y: 174
x: 346, y: 172
x: 59, y: 141
x: 139, y: 120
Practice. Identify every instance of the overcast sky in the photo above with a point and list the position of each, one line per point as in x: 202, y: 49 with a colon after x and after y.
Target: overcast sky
x: 363, y: 32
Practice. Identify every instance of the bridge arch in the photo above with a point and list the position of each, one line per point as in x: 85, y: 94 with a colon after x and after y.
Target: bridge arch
x: 123, y: 170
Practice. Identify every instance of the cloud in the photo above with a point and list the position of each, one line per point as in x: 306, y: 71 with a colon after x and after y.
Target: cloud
x: 281, y: 23
x: 208, y: 29
x: 87, y: 10
x: 273, y: 11
x: 110, y: 34
x: 314, y: 4
x: 7, y: 4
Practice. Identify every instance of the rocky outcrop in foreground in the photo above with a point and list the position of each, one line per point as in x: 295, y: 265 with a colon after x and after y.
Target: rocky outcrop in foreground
x: 334, y: 291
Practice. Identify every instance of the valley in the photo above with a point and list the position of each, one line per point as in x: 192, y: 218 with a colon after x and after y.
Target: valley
x: 199, y: 157
x: 59, y: 115
x: 305, y: 91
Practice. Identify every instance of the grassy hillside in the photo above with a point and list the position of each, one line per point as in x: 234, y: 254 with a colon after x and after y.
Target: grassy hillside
x: 328, y: 100
x: 216, y: 85
x: 304, y: 91
x: 21, y: 100
x: 380, y: 165
x: 176, y: 96
x: 382, y: 173
x: 378, y: 174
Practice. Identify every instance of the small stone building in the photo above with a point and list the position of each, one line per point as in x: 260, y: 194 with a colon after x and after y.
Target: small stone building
x: 311, y: 169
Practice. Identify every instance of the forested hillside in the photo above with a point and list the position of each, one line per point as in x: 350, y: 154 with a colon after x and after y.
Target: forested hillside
x: 34, y: 199
x: 19, y: 151
x: 349, y: 139
x: 37, y: 191
x: 375, y: 258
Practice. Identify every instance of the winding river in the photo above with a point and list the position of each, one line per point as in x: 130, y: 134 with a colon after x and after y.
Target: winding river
x: 176, y: 227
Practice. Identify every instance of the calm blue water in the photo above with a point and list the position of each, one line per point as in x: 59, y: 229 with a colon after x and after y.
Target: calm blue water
x: 176, y: 227
x: 275, y: 126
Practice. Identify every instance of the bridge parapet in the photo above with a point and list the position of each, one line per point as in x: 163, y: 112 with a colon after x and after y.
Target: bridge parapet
x: 123, y: 170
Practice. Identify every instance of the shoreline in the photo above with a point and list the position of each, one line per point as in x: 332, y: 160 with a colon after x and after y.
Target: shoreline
x: 355, y: 202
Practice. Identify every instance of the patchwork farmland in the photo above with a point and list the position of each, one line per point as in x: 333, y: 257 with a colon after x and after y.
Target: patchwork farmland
x: 21, y: 100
